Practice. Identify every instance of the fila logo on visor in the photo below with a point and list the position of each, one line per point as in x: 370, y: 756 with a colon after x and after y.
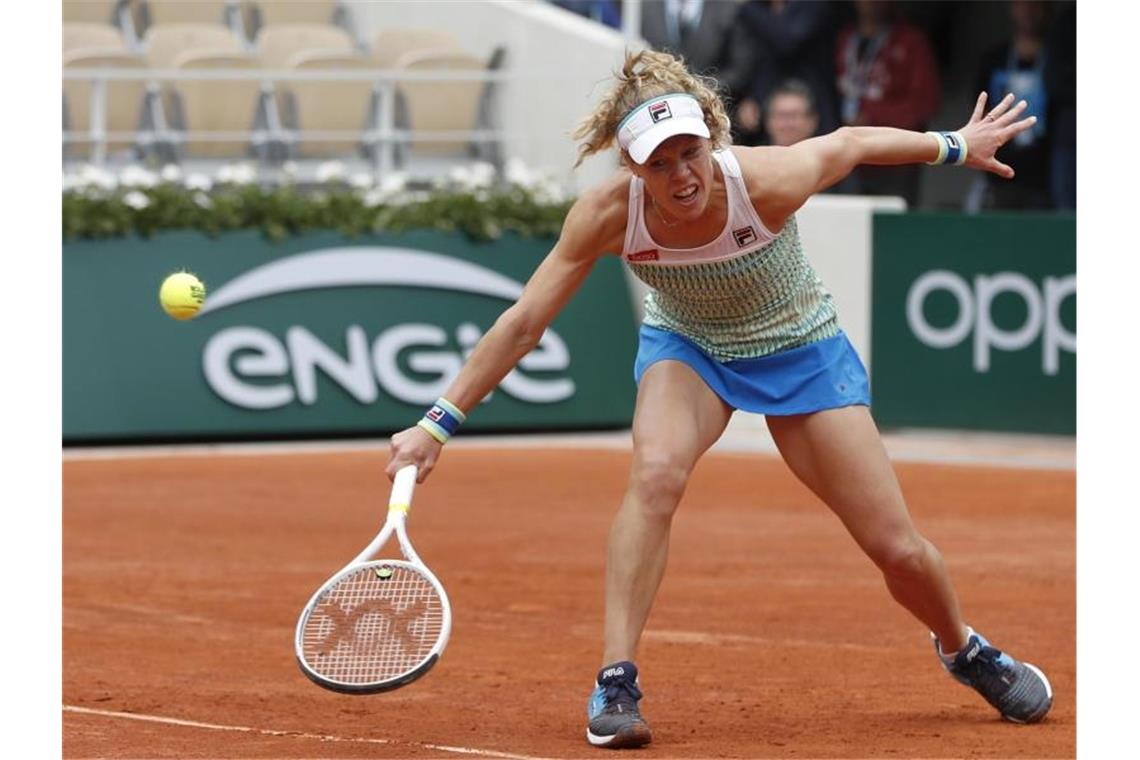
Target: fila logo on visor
x: 659, y: 111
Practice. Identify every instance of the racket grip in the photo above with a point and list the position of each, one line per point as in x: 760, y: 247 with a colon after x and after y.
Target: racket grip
x: 402, y: 488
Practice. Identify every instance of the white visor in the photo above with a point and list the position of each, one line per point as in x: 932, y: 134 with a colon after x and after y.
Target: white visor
x: 656, y: 120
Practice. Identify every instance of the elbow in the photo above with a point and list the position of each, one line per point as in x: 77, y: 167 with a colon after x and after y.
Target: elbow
x: 837, y: 155
x: 521, y: 329
x: 847, y: 140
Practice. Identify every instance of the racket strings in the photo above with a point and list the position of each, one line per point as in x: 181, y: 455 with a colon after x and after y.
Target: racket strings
x: 373, y: 626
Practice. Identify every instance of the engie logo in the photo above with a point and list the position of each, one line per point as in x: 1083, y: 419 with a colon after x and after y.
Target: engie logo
x: 242, y: 362
x: 1043, y: 315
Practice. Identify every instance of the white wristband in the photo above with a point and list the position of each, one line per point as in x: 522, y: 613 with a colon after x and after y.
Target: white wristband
x: 952, y: 148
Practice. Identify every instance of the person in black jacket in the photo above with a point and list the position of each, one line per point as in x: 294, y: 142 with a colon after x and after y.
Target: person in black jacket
x: 707, y: 36
x: 1018, y: 66
x: 793, y: 39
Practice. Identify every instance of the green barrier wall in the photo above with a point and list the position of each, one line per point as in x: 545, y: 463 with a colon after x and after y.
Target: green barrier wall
x: 309, y: 342
x: 974, y: 322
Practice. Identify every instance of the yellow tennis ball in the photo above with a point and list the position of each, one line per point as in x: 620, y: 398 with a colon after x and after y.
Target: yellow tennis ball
x: 182, y: 295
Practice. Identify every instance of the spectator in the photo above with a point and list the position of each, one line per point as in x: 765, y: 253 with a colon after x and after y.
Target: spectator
x: 1061, y: 84
x: 706, y: 35
x: 606, y: 12
x: 790, y: 114
x: 1018, y: 66
x: 887, y: 77
x: 793, y: 39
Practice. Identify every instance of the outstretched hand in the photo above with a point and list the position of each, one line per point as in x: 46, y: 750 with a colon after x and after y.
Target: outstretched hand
x: 985, y: 134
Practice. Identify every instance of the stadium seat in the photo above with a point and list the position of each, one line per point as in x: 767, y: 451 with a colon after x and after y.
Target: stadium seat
x: 85, y: 34
x: 90, y: 11
x: 148, y: 13
x: 343, y: 106
x: 259, y: 14
x: 124, y: 105
x: 165, y: 43
x: 392, y: 44
x: 276, y: 45
x: 441, y: 106
x: 112, y: 13
x: 217, y: 105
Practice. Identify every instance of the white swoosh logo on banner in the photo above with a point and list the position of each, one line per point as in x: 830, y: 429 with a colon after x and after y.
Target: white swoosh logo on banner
x: 366, y: 265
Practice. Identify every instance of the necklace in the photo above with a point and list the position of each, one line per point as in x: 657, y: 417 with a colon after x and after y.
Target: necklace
x: 659, y: 214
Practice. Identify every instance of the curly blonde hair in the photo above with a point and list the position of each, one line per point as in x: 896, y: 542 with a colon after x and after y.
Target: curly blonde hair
x: 649, y: 74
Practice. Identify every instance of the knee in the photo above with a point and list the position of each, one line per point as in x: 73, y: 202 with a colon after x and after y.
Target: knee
x: 902, y: 557
x: 657, y: 482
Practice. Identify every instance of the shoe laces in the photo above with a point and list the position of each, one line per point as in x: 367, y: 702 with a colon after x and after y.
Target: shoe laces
x: 989, y: 661
x: 622, y: 693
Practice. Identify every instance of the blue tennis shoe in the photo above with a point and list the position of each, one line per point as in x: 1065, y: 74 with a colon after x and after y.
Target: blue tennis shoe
x: 615, y: 721
x: 1017, y: 690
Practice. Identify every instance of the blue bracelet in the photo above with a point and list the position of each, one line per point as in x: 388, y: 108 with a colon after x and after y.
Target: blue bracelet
x: 951, y: 148
x: 442, y: 420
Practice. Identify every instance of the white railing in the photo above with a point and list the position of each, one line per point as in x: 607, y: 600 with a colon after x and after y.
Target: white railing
x: 384, y: 137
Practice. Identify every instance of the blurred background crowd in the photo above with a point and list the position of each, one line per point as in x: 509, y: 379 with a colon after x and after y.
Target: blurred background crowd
x: 793, y: 69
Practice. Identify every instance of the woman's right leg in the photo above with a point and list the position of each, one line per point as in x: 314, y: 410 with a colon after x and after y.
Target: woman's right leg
x: 678, y: 417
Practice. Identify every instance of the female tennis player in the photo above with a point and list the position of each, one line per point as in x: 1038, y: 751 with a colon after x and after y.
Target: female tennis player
x: 735, y: 319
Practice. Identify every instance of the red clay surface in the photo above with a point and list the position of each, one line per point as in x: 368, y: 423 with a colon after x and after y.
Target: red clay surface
x: 772, y: 636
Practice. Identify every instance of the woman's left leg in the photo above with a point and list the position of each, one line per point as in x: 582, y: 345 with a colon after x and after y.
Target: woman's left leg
x: 838, y: 454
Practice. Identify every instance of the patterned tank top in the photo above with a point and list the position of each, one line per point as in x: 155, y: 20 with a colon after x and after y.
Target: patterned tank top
x: 747, y: 293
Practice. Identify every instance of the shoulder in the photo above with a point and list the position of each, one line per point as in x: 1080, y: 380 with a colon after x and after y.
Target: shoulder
x: 765, y: 169
x: 778, y: 179
x: 596, y: 223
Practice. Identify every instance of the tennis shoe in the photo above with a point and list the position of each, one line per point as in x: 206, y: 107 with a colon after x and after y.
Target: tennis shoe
x: 1018, y: 690
x: 615, y: 721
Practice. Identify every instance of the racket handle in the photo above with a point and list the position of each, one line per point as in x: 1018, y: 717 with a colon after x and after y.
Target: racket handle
x: 405, y: 483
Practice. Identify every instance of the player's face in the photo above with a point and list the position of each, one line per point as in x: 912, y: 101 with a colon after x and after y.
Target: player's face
x: 679, y: 176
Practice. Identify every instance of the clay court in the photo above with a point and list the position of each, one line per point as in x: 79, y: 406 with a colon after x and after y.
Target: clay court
x: 772, y: 637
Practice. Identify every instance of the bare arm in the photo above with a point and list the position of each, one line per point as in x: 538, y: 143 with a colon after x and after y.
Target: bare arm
x: 520, y: 327
x: 792, y: 175
x: 593, y: 226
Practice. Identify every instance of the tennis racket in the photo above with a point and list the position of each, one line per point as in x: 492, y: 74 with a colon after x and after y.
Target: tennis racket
x: 377, y: 624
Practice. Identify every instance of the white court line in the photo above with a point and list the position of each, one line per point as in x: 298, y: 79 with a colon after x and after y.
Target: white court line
x: 295, y: 734
x: 327, y: 738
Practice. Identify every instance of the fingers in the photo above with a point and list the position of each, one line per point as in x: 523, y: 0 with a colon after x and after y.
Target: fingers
x: 1000, y: 169
x: 393, y: 462
x: 1018, y: 127
x: 403, y: 451
x: 979, y: 108
x: 424, y: 465
x: 1000, y: 108
x: 1011, y: 115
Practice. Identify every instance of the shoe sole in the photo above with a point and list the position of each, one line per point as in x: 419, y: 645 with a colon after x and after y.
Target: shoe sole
x: 1048, y: 693
x: 636, y: 735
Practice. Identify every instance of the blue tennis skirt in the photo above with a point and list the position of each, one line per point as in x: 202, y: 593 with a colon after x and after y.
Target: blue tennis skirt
x: 825, y: 374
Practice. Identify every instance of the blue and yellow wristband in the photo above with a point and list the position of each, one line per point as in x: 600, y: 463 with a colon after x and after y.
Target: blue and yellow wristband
x: 442, y: 420
x: 951, y: 148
